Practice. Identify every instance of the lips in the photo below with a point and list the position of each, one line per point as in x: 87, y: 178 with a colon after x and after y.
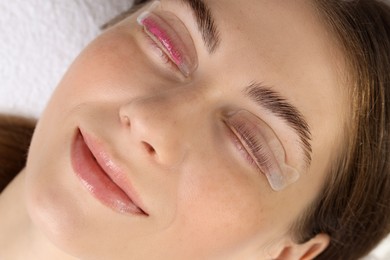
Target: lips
x: 102, y: 177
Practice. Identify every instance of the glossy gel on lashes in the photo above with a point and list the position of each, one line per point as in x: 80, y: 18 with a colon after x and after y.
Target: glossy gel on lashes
x: 180, y: 49
x: 279, y: 174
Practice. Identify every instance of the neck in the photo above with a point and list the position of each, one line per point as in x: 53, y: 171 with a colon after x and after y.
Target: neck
x: 19, y: 238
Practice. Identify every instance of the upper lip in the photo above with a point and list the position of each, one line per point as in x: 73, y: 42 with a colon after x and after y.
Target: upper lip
x: 111, y: 168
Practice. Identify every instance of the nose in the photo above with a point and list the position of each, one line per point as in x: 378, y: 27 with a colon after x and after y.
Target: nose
x: 166, y: 125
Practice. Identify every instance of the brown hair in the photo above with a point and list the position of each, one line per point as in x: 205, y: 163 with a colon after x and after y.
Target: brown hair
x: 15, y: 138
x: 354, y: 205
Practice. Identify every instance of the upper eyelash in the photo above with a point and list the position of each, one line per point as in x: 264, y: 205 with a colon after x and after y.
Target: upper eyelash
x: 261, y: 157
x: 166, y: 59
x: 261, y: 147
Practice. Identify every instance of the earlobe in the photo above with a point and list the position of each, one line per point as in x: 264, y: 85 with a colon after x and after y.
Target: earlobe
x: 306, y: 251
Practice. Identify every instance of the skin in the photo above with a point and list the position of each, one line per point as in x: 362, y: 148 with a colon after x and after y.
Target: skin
x: 205, y: 201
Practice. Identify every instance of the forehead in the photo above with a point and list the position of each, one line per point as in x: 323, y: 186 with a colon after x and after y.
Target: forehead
x: 282, y: 38
x: 277, y: 42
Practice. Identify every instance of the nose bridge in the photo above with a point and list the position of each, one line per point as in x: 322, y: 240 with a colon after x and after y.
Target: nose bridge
x: 164, y: 124
x: 171, y: 105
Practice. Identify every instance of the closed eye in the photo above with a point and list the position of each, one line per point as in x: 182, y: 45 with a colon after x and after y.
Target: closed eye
x: 172, y: 41
x: 259, y: 145
x: 257, y: 152
x: 160, y: 53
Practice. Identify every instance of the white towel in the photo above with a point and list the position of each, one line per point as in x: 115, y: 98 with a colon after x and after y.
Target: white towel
x: 38, y: 41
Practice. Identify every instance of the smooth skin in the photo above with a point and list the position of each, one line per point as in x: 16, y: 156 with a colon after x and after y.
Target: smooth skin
x: 204, y: 199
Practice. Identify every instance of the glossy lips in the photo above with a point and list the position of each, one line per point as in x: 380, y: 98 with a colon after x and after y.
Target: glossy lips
x: 173, y: 38
x: 102, y: 178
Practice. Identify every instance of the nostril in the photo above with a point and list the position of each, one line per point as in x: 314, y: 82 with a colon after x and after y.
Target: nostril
x: 149, y: 148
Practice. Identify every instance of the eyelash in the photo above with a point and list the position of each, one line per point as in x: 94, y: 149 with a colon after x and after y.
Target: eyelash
x: 164, y: 58
x: 257, y: 155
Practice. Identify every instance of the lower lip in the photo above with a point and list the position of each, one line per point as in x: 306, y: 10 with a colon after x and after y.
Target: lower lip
x: 97, y: 182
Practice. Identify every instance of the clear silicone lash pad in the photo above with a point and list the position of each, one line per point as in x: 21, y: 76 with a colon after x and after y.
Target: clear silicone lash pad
x: 274, y: 167
x: 179, y: 47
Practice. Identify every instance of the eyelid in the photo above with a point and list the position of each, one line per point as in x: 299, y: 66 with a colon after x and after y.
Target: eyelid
x: 278, y: 172
x: 171, y: 35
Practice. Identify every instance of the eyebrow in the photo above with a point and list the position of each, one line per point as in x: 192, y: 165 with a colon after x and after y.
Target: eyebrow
x: 206, y: 23
x: 279, y: 106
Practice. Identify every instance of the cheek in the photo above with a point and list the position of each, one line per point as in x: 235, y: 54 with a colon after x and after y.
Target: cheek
x: 112, y: 68
x: 50, y: 197
x: 216, y: 200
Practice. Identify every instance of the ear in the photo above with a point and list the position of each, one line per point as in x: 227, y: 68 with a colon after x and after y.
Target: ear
x: 306, y: 251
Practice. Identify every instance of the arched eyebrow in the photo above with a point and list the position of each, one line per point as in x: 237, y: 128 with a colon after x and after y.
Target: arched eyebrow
x: 206, y: 23
x: 279, y: 106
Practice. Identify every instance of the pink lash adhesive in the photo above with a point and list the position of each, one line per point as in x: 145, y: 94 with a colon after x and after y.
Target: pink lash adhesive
x: 180, y: 49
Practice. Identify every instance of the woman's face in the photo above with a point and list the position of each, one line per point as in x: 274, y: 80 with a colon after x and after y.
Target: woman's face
x: 202, y: 132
